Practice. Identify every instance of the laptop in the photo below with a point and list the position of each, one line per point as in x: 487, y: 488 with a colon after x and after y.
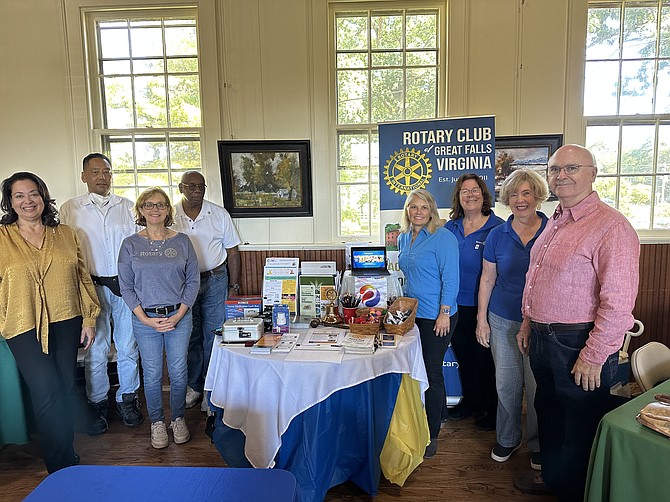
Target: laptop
x: 368, y: 261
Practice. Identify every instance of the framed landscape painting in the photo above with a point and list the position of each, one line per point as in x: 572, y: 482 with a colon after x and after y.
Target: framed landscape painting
x: 266, y: 178
x: 532, y: 152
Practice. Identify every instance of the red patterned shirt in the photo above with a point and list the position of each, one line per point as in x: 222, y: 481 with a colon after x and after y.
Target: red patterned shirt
x: 584, y: 267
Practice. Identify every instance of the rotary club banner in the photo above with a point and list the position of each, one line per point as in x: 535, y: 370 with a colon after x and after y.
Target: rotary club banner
x: 433, y: 154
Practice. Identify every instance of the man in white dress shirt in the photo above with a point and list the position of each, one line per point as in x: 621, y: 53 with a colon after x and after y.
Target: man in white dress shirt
x: 216, y: 242
x: 102, y: 220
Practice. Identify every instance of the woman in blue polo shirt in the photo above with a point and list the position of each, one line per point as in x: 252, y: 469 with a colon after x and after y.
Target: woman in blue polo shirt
x: 506, y: 258
x: 471, y: 220
x: 429, y: 260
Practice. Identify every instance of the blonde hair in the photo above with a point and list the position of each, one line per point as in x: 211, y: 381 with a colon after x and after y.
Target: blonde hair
x: 140, y: 219
x: 538, y: 185
x: 433, y: 223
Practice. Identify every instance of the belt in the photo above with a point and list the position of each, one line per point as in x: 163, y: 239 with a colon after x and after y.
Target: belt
x: 220, y: 269
x: 165, y: 310
x: 111, y: 283
x: 558, y: 326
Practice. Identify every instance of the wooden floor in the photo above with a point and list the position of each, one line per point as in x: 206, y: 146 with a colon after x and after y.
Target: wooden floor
x: 461, y: 470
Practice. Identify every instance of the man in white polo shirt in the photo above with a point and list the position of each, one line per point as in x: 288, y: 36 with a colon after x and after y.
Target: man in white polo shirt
x: 216, y: 242
x: 102, y: 220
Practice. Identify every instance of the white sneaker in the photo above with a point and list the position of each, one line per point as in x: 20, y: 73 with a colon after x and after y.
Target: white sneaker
x: 192, y: 397
x: 159, y: 435
x: 180, y: 431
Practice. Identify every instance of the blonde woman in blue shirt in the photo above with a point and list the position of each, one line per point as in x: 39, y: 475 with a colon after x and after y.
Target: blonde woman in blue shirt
x: 429, y: 260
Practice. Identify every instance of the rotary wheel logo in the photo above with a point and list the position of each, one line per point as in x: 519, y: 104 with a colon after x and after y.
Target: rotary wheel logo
x: 407, y: 170
x: 171, y: 253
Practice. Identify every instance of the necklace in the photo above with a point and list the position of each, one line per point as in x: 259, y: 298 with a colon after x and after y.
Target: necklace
x: 157, y: 244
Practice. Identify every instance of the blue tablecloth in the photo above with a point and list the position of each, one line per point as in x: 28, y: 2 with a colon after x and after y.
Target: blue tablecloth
x: 103, y: 483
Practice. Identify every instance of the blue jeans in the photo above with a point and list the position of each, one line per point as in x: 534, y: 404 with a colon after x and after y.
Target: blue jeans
x: 512, y: 372
x: 151, y: 344
x: 567, y: 415
x: 209, y: 311
x: 112, y: 308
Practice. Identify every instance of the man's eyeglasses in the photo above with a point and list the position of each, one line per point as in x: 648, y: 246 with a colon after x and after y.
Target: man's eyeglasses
x: 568, y: 169
x: 151, y: 205
x: 474, y: 191
x: 194, y: 186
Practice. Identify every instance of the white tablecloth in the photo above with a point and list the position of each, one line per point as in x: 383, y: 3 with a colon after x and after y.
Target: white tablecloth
x: 261, y: 394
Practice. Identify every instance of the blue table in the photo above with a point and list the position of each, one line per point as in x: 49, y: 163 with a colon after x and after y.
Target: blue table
x: 102, y: 483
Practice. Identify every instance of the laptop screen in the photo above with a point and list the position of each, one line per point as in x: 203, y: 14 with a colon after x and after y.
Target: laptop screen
x: 368, y: 258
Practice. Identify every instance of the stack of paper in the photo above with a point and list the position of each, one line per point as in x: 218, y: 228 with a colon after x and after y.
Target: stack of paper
x: 286, y: 343
x: 359, y: 344
x: 265, y: 344
x: 322, y: 339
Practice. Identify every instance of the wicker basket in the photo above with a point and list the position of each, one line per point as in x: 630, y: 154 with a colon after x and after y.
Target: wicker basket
x: 403, y: 303
x: 365, y: 329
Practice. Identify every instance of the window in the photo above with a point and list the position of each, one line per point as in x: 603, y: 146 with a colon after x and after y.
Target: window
x: 145, y: 85
x: 627, y: 107
x: 386, y: 68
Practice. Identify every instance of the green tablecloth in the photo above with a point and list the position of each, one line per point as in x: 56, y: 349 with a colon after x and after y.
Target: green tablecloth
x: 629, y: 461
x: 13, y: 427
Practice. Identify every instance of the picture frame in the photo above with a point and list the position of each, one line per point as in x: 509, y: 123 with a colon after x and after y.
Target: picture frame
x: 533, y: 152
x: 266, y: 178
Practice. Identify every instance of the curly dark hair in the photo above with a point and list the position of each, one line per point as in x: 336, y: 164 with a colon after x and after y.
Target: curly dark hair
x: 50, y: 213
x: 456, y: 207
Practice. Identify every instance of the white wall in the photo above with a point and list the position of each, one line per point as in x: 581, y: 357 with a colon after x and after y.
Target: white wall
x: 268, y: 78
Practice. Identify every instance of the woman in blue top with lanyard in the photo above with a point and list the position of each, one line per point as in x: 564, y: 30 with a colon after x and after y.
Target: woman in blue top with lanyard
x: 471, y: 220
x: 429, y: 260
x: 506, y: 259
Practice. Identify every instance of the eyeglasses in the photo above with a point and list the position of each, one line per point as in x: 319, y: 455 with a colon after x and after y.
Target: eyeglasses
x: 568, y: 169
x: 151, y: 205
x: 473, y: 191
x: 194, y: 186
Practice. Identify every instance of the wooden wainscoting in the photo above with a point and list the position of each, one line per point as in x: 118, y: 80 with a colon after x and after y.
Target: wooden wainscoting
x: 653, y: 300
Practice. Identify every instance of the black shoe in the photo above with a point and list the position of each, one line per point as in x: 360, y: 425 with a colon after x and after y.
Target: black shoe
x: 77, y: 459
x: 532, y: 485
x: 487, y: 423
x: 97, y: 423
x: 209, y: 426
x: 431, y: 449
x: 536, y: 461
x: 458, y: 412
x: 129, y: 410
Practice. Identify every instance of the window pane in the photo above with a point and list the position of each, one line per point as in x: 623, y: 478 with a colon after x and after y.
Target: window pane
x: 121, y: 154
x: 421, y: 93
x: 602, y: 36
x: 155, y: 179
x: 663, y: 87
x: 118, y: 102
x: 388, y: 98
x: 600, y: 88
x: 386, y: 32
x: 181, y: 41
x: 116, y: 67
x: 185, y: 154
x: 150, y: 101
x: 184, y: 96
x: 663, y: 159
x: 353, y: 150
x: 421, y: 31
x: 354, y: 209
x: 151, y: 154
x: 114, y: 43
x: 421, y: 58
x: 352, y: 60
x: 352, y: 97
x: 664, y: 51
x: 146, y: 42
x: 387, y: 59
x: 639, y: 32
x: 148, y: 66
x: 637, y: 87
x: 662, y: 202
x: 606, y: 188
x: 129, y: 193
x: 637, y: 148
x: 603, y: 142
x: 182, y: 65
x: 635, y: 200
x: 351, y: 33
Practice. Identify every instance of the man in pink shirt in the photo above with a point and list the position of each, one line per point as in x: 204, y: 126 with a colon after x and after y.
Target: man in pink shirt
x: 577, y: 305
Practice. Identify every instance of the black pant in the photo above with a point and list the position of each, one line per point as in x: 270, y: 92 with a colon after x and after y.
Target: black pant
x: 50, y: 378
x: 475, y: 364
x: 433, y: 348
x: 567, y: 415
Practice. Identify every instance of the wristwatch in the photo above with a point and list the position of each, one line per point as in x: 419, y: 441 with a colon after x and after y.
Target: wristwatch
x: 236, y: 287
x: 446, y: 310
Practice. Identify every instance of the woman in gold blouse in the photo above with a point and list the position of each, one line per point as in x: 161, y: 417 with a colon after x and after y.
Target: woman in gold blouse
x: 48, y: 307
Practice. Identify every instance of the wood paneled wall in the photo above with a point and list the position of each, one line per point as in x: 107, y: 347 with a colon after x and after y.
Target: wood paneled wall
x: 653, y: 300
